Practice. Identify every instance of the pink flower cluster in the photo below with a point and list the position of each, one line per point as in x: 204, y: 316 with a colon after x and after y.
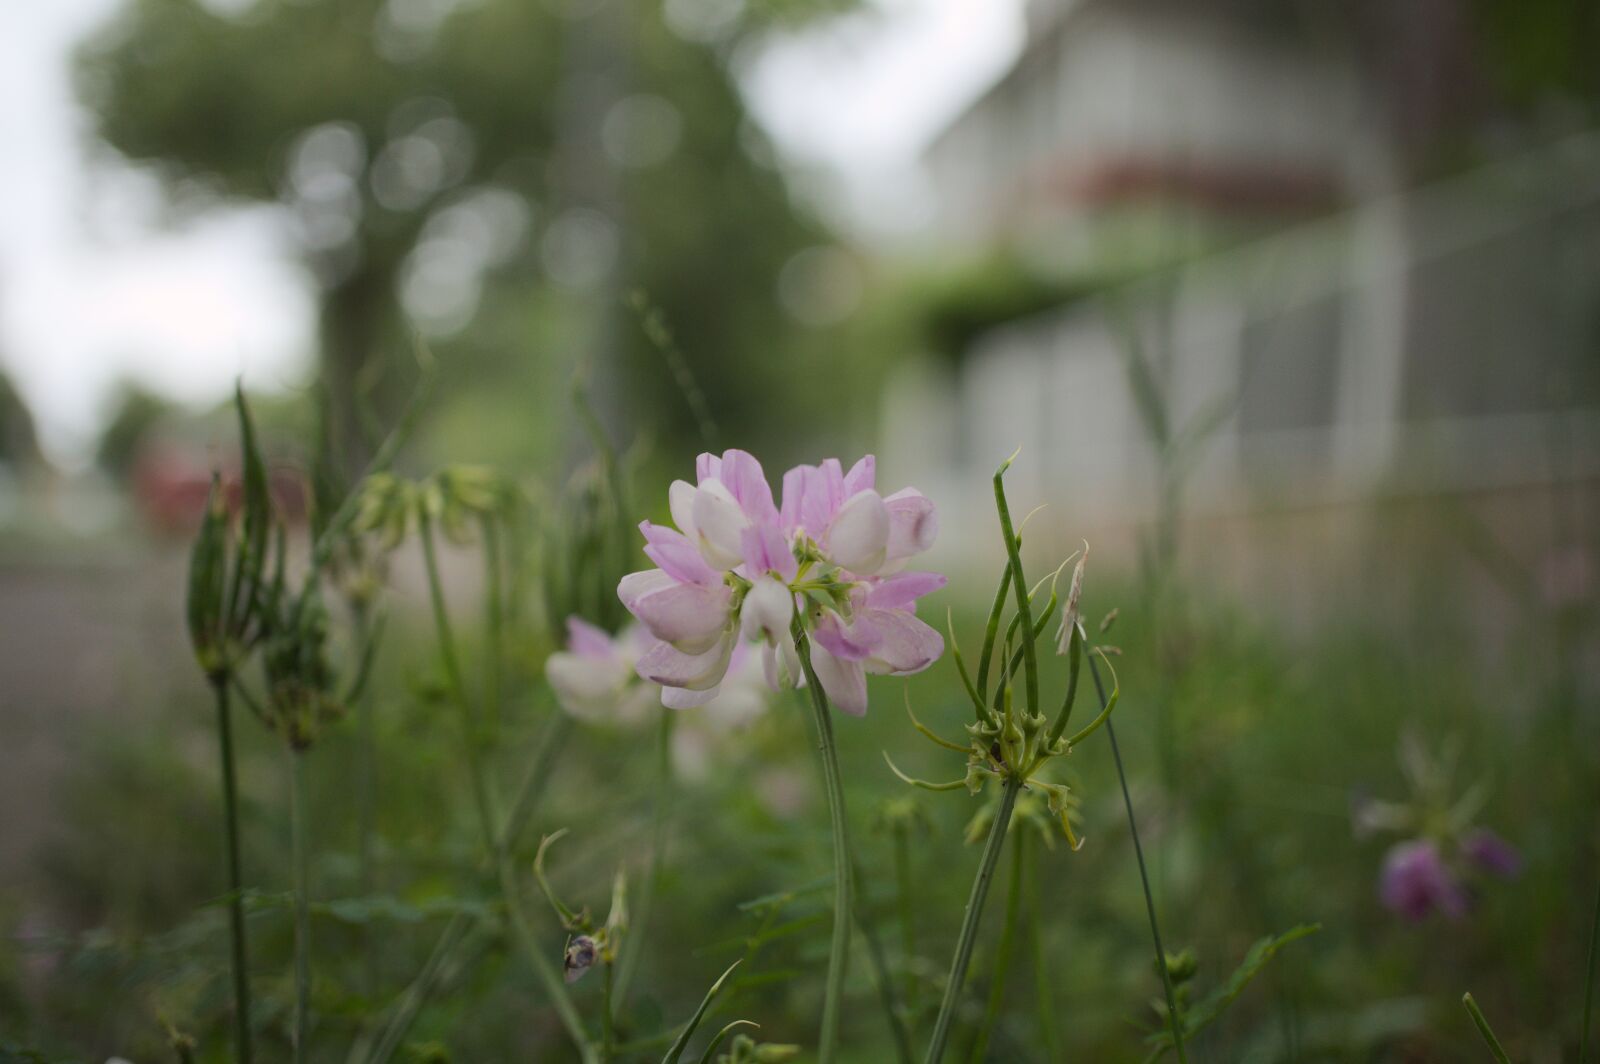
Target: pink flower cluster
x: 738, y: 565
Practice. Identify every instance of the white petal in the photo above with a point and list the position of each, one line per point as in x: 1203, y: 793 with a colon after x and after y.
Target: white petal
x: 768, y: 608
x: 719, y: 525
x: 858, y: 538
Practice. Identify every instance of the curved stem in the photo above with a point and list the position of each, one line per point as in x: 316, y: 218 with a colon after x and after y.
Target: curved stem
x: 839, y: 951
x: 1173, y: 1022
x: 230, y: 819
x: 302, y: 908
x: 554, y: 985
x: 974, y: 915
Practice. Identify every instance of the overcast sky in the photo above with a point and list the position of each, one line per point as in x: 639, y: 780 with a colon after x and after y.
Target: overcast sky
x: 94, y: 288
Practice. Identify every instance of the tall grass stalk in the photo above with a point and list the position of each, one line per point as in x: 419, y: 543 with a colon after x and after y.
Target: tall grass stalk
x: 839, y: 950
x: 1002, y: 957
x: 970, y: 922
x: 300, y: 863
x: 1588, y: 982
x: 660, y: 813
x: 1173, y: 1022
x: 243, y: 1045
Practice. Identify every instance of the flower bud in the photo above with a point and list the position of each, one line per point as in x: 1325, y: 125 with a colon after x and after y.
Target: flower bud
x: 580, y: 956
x: 1182, y: 966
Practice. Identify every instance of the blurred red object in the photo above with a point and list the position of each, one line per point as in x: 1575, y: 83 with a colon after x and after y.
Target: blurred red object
x: 170, y: 485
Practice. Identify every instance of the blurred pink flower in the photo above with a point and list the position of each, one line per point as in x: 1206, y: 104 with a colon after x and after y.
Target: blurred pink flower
x: 594, y: 679
x: 1489, y: 853
x: 1416, y: 880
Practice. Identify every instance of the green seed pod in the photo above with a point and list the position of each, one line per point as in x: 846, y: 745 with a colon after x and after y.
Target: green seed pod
x: 208, y: 566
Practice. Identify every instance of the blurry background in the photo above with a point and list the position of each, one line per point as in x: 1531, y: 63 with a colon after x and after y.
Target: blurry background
x: 1293, y: 307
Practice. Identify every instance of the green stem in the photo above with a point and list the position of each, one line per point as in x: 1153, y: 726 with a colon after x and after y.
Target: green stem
x: 405, y: 1010
x: 1173, y: 1022
x: 458, y: 689
x: 974, y: 915
x: 302, y: 907
x: 839, y: 951
x: 366, y: 800
x: 908, y: 931
x: 1484, y: 1030
x: 555, y: 986
x: 1041, y: 969
x: 608, y: 1034
x: 1002, y: 957
x: 494, y: 623
x: 230, y: 818
x: 1588, y: 982
x: 540, y: 767
x: 1019, y: 585
x: 660, y: 809
x: 881, y: 978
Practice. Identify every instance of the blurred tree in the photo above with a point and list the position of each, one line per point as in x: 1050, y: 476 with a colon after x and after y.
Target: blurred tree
x: 134, y: 413
x: 19, y: 445
x: 497, y: 173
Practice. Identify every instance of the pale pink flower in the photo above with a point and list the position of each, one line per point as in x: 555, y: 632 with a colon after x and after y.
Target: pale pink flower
x: 733, y: 567
x: 594, y: 678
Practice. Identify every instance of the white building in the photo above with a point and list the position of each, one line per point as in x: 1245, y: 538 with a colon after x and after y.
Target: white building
x: 1345, y: 341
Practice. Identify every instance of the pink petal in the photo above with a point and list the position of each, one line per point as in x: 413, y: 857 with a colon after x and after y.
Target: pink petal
x: 913, y: 523
x: 679, y: 698
x: 679, y: 558
x: 636, y: 585
x: 587, y: 641
x: 901, y: 590
x: 852, y: 642
x: 844, y: 682
x: 666, y: 665
x: 689, y: 616
x: 863, y: 476
x: 767, y: 610
x: 707, y: 467
x: 906, y: 645
x: 766, y: 551
x: 742, y: 475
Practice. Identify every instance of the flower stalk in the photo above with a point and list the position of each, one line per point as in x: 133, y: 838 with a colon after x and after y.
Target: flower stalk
x: 833, y: 784
x: 230, y: 819
x: 300, y: 866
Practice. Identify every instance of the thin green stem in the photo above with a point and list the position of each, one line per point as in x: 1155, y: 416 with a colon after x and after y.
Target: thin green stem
x: 969, y: 924
x: 881, y: 978
x: 990, y: 631
x: 660, y: 812
x: 1588, y: 982
x: 230, y: 821
x: 1041, y: 969
x: 1173, y: 1022
x: 366, y: 799
x: 1002, y: 957
x: 555, y: 986
x: 1019, y: 586
x: 531, y: 790
x: 410, y: 1002
x: 908, y: 929
x: 839, y: 952
x: 494, y: 623
x: 608, y: 1034
x: 301, y: 871
x: 458, y: 689
x: 1484, y: 1030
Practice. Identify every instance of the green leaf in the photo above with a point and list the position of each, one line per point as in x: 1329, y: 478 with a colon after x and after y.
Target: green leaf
x: 1205, y: 1013
x: 711, y: 1048
x: 682, y: 1042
